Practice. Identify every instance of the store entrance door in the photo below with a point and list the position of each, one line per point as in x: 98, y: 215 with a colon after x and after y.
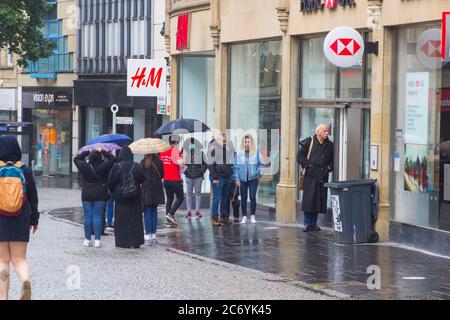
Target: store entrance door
x: 353, y: 144
x: 24, y: 132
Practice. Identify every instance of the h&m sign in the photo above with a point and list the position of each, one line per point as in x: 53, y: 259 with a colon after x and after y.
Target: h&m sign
x: 314, y: 5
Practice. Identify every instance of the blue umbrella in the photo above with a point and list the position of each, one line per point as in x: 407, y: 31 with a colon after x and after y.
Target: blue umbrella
x: 119, y: 139
x: 188, y: 125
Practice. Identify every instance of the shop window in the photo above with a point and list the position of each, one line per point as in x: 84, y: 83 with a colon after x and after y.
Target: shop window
x: 421, y: 134
x: 255, y: 106
x: 322, y: 80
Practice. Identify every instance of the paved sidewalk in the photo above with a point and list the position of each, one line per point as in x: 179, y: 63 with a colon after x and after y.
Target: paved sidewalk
x: 153, y: 272
x: 313, y: 258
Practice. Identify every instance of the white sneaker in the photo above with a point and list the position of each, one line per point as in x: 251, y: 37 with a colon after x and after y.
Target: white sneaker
x: 147, y: 237
x: 154, y: 236
x: 97, y: 244
x: 244, y: 220
x: 252, y: 218
x: 87, y: 243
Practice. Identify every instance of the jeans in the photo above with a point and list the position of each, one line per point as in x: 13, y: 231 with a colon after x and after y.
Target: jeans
x: 93, y: 214
x: 150, y: 219
x: 192, y: 184
x: 221, y: 194
x: 173, y: 188
x: 251, y: 187
x: 110, y: 210
x: 311, y: 218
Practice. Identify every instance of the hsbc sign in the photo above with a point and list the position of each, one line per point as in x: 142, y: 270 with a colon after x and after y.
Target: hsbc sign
x: 344, y: 47
x: 314, y: 5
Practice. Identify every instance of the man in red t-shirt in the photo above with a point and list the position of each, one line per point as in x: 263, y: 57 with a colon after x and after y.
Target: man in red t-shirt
x: 173, y: 184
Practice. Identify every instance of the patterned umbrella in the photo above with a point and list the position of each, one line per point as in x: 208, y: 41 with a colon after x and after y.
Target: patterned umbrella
x: 149, y: 146
x: 104, y: 146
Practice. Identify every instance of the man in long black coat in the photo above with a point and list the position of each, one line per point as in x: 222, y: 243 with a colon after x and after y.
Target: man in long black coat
x: 318, y: 167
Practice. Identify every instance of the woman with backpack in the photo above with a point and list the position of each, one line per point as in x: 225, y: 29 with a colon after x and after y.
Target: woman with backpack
x: 126, y: 181
x: 94, y: 167
x: 15, y: 227
x: 152, y: 193
x: 196, y: 167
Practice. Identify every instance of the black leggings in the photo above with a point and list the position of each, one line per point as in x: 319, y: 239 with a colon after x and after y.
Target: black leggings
x: 173, y: 188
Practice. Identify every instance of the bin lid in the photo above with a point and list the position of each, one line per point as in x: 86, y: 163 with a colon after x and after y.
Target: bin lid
x: 349, y: 183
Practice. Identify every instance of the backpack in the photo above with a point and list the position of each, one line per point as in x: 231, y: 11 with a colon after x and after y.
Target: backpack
x: 12, y: 188
x: 128, y: 187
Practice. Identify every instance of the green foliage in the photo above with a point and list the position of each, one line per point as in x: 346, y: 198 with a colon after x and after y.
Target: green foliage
x: 21, y: 23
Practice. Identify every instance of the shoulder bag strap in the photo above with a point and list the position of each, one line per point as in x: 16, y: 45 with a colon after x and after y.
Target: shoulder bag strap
x: 156, y: 169
x: 309, y: 153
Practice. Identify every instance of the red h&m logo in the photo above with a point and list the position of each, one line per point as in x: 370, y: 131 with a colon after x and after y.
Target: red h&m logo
x: 182, y: 31
x: 345, y: 47
x: 144, y: 80
x: 330, y: 4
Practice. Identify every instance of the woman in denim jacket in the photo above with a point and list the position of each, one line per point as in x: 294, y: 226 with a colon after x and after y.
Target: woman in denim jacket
x: 247, y: 170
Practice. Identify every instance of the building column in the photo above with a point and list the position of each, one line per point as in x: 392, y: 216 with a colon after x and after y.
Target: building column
x: 221, y: 88
x: 286, y: 194
x: 380, y: 132
x: 221, y: 70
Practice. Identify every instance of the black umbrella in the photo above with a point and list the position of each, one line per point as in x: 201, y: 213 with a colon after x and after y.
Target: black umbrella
x: 181, y: 126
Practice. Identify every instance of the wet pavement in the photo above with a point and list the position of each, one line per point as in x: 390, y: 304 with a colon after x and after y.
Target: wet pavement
x: 313, y: 257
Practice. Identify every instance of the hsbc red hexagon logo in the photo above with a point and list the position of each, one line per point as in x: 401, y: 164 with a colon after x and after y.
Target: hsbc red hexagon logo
x: 428, y: 48
x: 344, y: 47
x: 432, y: 48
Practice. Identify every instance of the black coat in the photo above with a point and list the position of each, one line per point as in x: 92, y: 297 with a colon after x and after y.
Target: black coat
x: 115, y: 178
x: 318, y: 168
x: 152, y: 190
x: 196, y: 164
x: 128, y: 220
x: 220, y: 160
x: 94, y: 184
x: 17, y: 229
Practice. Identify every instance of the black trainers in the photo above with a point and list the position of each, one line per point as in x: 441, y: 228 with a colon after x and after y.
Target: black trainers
x: 171, y: 219
x: 307, y: 229
x: 315, y: 228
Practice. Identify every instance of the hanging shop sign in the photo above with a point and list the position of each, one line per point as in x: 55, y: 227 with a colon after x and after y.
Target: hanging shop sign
x: 46, y: 97
x: 183, y: 31
x: 146, y: 77
x: 315, y: 5
x: 428, y: 49
x: 445, y: 49
x: 344, y: 47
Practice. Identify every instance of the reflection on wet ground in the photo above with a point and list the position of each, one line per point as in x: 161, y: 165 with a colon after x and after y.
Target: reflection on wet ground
x: 311, y: 257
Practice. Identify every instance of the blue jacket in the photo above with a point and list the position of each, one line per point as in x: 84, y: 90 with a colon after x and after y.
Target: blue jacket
x: 247, y: 168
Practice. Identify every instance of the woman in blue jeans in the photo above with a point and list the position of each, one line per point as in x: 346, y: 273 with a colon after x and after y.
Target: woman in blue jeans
x: 152, y: 193
x: 247, y: 170
x: 94, y: 167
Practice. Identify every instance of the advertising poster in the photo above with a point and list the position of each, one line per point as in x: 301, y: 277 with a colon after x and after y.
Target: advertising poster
x: 415, y: 172
x: 416, y: 106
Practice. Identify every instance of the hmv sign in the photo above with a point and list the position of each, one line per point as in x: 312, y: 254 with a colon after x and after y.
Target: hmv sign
x: 146, y: 77
x: 314, y: 5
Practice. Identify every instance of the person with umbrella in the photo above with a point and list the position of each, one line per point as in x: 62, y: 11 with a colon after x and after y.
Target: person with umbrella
x: 173, y: 184
x: 94, y: 167
x: 152, y: 189
x: 125, y: 180
x: 196, y: 167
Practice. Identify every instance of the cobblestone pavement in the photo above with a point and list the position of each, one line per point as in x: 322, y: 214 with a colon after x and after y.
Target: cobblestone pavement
x: 152, y: 272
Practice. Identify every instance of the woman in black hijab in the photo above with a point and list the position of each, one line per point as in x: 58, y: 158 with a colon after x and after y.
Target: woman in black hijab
x: 128, y: 220
x: 15, y: 230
